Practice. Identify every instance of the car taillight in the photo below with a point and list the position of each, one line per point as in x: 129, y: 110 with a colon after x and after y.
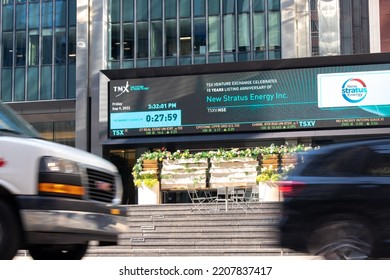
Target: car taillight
x: 290, y: 188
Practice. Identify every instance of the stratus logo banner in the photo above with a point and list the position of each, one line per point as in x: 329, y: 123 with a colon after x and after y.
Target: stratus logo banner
x: 353, y: 89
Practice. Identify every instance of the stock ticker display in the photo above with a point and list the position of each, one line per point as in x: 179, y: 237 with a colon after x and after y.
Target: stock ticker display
x: 275, y: 100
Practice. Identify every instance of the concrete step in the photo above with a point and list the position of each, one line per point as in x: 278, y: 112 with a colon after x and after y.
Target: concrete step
x: 175, y: 230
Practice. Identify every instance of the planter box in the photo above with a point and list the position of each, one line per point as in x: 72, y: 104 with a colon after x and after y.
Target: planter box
x: 240, y: 172
x: 270, y: 160
x: 269, y: 192
x: 184, y: 174
x: 149, y: 164
x: 289, y: 159
x: 147, y: 196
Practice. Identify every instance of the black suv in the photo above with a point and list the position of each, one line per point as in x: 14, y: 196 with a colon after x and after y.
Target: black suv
x: 337, y: 202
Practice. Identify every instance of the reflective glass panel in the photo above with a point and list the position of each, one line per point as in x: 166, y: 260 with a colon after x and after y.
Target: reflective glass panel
x: 171, y: 38
x: 128, y: 40
x: 228, y: 6
x: 259, y: 31
x: 170, y: 9
x: 185, y: 37
x: 115, y: 50
x: 33, y: 47
x: 228, y: 33
x: 199, y: 8
x: 274, y: 30
x: 47, y: 14
x: 6, y: 84
x: 156, y: 41
x: 33, y: 15
x: 32, y: 83
x: 72, y: 81
x: 47, y: 46
x: 7, y: 49
x: 244, y: 32
x: 8, y: 18
x: 156, y: 9
x: 142, y: 10
x: 60, y: 16
x: 46, y: 83
x: 200, y: 36
x: 128, y: 10
x: 242, y: 6
x: 185, y: 8
x: 114, y: 11
x: 72, y: 45
x: 72, y: 12
x: 214, y: 7
x: 142, y: 42
x: 20, y: 48
x: 258, y: 5
x: 20, y: 17
x: 19, y: 84
x: 60, y: 46
x: 214, y: 34
x: 60, y: 82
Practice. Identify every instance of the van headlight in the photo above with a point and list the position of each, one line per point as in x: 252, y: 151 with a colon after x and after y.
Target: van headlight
x: 60, y: 177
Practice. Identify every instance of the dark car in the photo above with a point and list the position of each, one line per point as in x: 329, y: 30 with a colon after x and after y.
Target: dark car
x: 337, y: 202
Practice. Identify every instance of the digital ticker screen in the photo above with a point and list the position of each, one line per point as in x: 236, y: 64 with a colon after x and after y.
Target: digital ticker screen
x: 275, y: 100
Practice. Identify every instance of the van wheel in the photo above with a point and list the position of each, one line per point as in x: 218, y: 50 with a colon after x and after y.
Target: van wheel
x: 10, y: 234
x: 342, y: 240
x: 58, y: 252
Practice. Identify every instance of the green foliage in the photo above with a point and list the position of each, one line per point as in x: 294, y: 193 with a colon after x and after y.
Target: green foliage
x: 150, y: 177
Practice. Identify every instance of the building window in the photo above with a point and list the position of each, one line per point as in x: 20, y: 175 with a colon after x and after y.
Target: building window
x: 274, y: 35
x: 185, y: 37
x: 32, y: 83
x: 7, y: 49
x: 62, y: 132
x: 8, y: 17
x: 6, y: 84
x: 20, y: 54
x: 315, y: 49
x: 46, y: 83
x: 200, y: 36
x: 128, y: 41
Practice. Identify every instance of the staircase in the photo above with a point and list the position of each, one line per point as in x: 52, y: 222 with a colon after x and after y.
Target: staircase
x: 176, y: 230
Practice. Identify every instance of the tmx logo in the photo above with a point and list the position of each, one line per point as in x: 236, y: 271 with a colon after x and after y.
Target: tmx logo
x: 121, y: 89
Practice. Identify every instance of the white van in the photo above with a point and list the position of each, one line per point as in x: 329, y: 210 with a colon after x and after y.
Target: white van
x: 54, y: 199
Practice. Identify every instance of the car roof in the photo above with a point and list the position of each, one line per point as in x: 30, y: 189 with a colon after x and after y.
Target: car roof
x: 361, y: 142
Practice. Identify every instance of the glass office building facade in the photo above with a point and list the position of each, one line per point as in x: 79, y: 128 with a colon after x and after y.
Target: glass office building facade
x: 38, y: 50
x: 52, y: 51
x: 38, y: 60
x: 170, y: 32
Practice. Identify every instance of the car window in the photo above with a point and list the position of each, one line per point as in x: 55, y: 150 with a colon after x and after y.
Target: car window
x: 349, y: 161
x: 379, y: 161
x: 13, y: 124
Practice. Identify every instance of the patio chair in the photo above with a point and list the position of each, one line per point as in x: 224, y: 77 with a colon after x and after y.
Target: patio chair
x: 256, y: 197
x: 210, y: 196
x: 197, y: 201
x: 224, y: 196
x: 238, y: 198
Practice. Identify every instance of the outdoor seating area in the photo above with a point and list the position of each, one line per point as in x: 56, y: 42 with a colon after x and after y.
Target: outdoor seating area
x: 215, y: 180
x: 226, y: 199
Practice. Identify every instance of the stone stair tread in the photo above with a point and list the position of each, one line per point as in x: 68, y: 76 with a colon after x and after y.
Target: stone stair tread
x: 198, y: 252
x: 175, y: 230
x: 201, y: 229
